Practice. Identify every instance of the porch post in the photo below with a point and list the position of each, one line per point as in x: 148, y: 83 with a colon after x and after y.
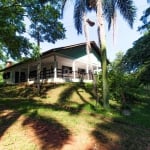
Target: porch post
x: 96, y: 69
x: 74, y: 70
x: 11, y: 77
x: 87, y: 70
x: 55, y: 68
x: 19, y: 75
x: 28, y: 79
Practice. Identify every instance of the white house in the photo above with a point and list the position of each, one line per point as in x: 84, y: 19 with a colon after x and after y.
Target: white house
x: 64, y: 64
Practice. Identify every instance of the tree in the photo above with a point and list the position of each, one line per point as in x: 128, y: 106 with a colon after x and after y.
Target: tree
x: 137, y: 59
x: 80, y: 17
x: 123, y: 85
x: 146, y: 21
x: 118, y: 79
x: 1, y: 75
x: 11, y: 16
x: 44, y: 24
x: 105, y: 9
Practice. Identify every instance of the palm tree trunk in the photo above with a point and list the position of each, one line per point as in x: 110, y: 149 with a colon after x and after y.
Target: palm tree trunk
x: 38, y: 68
x: 88, y: 49
x: 102, y: 43
x: 88, y: 45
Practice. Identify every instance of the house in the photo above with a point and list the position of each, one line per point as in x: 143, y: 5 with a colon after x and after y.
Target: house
x: 64, y: 64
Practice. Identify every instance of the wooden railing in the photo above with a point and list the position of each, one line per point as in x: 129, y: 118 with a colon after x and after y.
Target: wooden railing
x: 60, y: 74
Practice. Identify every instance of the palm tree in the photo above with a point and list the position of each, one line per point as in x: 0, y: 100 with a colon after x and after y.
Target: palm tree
x: 105, y: 9
x: 80, y: 10
x: 80, y: 17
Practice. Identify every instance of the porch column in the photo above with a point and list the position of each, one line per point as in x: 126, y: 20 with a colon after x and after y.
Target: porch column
x: 96, y: 69
x: 55, y: 67
x: 19, y: 74
x: 87, y: 70
x: 11, y: 77
x: 28, y: 79
x: 74, y: 70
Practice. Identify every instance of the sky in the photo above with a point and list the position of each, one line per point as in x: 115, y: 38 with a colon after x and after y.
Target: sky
x: 124, y: 35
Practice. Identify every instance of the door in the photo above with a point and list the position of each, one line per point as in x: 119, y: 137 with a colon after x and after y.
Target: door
x: 17, y: 77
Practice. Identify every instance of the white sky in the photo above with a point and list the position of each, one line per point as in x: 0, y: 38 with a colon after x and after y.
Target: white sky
x: 124, y: 35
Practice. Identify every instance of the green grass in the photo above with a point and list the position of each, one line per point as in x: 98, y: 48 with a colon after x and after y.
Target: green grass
x: 140, y: 110
x: 66, y: 110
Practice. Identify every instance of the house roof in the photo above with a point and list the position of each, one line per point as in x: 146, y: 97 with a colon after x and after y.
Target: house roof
x: 65, y: 51
x: 93, y: 45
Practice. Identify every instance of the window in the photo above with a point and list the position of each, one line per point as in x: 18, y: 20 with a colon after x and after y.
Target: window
x: 23, y: 77
x: 81, y: 71
x: 44, y: 72
x: 6, y: 75
x: 66, y: 69
x: 33, y: 74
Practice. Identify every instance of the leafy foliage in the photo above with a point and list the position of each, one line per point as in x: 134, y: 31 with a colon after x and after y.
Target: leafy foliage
x: 44, y: 23
x: 139, y: 54
x: 126, y: 8
x: 144, y: 74
x: 1, y: 77
x: 137, y: 59
x: 79, y: 10
x: 146, y: 20
x: 122, y: 84
x: 43, y: 19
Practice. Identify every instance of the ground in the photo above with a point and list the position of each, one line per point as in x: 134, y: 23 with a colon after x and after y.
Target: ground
x: 44, y: 136
x: 61, y: 120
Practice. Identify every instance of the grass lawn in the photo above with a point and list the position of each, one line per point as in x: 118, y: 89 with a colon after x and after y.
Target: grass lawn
x: 65, y: 117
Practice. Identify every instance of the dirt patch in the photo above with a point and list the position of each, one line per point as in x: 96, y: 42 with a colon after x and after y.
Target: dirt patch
x: 12, y: 134
x: 46, y: 134
x: 43, y: 135
x: 53, y: 136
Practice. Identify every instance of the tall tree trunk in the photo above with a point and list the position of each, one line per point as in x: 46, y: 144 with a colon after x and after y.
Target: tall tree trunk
x: 88, y: 45
x: 38, y: 67
x: 102, y: 43
x: 88, y: 49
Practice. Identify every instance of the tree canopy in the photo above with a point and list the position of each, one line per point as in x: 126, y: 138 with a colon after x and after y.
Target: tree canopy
x: 137, y: 58
x: 43, y: 20
x: 146, y: 20
x: 138, y: 54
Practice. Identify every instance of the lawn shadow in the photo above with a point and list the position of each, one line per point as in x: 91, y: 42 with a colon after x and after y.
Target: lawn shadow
x: 119, y: 136
x: 64, y: 103
x: 7, y: 118
x: 25, y: 91
x: 48, y: 133
x: 84, y: 100
x: 67, y: 93
x: 46, y: 87
x: 8, y: 91
x: 29, y: 92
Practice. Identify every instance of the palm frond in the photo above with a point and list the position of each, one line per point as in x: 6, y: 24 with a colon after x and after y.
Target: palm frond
x: 109, y: 8
x: 127, y: 10
x: 63, y: 3
x: 79, y: 10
